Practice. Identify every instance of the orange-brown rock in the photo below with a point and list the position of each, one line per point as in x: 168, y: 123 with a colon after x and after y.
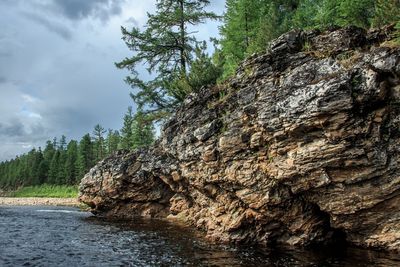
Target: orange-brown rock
x: 303, y: 148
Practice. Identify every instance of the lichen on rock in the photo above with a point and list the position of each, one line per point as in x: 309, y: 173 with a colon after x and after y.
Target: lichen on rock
x: 304, y: 147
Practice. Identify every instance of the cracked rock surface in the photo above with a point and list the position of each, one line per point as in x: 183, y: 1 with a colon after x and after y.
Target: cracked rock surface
x: 301, y: 146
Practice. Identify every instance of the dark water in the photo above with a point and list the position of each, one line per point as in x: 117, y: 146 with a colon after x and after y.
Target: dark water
x: 43, y: 236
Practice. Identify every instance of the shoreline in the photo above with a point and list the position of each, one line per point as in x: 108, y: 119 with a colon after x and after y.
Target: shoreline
x: 39, y: 201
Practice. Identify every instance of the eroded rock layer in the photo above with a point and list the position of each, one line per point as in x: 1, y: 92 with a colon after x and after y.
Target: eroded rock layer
x: 300, y: 147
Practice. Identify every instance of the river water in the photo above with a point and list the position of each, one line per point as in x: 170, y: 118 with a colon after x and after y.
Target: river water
x: 59, y: 236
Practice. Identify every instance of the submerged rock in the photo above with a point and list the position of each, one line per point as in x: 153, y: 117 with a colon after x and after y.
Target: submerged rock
x: 302, y: 146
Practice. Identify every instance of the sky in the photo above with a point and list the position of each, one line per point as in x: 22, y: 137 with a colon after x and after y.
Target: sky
x: 57, y: 72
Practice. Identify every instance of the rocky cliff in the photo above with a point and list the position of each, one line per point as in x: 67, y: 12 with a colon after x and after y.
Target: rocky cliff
x: 302, y: 146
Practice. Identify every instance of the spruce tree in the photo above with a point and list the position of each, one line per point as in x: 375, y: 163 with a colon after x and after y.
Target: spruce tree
x: 112, y: 141
x: 62, y: 143
x: 386, y: 11
x: 61, y: 174
x: 305, y: 14
x: 126, y: 131
x: 85, y: 156
x: 142, y: 131
x: 54, y: 168
x: 165, y: 46
x: 71, y: 171
x: 355, y: 12
x: 241, y: 23
x: 98, y: 140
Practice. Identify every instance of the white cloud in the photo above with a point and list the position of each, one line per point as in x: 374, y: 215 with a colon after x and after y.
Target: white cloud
x: 29, y: 99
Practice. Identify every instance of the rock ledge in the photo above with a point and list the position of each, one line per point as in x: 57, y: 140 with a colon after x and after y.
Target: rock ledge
x: 300, y: 147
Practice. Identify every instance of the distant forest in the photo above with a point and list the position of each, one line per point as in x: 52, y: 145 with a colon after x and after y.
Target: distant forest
x: 180, y: 65
x: 65, y: 163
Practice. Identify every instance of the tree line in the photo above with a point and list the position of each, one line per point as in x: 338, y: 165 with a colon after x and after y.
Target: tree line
x: 65, y: 163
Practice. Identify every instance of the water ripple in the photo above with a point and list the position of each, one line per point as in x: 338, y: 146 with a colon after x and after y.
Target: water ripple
x: 59, y: 236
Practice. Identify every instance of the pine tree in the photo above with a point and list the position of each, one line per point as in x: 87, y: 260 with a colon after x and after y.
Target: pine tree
x: 386, y: 11
x: 249, y: 25
x: 85, y: 156
x: 48, y: 154
x: 62, y: 143
x: 239, y: 31
x: 33, y: 160
x: 204, y: 71
x: 166, y: 46
x: 126, y: 131
x: 305, y: 14
x: 61, y: 171
x: 43, y: 171
x: 71, y: 172
x: 98, y: 140
x: 39, y: 172
x: 142, y: 131
x: 54, y: 168
x: 112, y: 141
x: 355, y: 12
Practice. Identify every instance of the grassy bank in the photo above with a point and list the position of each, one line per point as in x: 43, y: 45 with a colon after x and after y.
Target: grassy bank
x: 50, y: 191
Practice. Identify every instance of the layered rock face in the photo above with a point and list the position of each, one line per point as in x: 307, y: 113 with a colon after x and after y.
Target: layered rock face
x: 302, y: 146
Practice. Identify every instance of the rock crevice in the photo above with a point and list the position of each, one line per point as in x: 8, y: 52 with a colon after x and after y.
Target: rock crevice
x: 301, y: 146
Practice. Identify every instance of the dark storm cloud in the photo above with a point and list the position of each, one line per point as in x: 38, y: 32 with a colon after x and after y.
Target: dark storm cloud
x: 15, y: 129
x: 79, y: 9
x: 52, y: 26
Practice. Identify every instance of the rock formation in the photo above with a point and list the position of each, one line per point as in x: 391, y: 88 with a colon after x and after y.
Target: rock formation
x: 302, y: 146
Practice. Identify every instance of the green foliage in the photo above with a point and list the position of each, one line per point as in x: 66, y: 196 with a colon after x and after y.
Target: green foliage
x: 355, y: 12
x: 45, y: 190
x: 250, y: 25
x: 142, y: 130
x: 398, y: 32
x: 99, y: 142
x: 204, y: 71
x: 137, y: 131
x: 386, y: 11
x: 166, y: 46
x: 126, y: 131
x: 57, y: 164
x: 112, y: 141
x: 86, y: 157
x: 70, y: 167
x: 239, y: 31
x: 305, y: 15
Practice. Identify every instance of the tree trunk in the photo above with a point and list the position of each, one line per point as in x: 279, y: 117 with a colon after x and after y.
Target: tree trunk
x: 183, y: 35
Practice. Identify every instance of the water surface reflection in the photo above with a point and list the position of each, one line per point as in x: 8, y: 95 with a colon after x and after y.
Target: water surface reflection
x: 56, y: 236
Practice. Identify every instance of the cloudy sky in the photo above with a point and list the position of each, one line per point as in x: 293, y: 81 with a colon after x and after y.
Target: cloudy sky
x: 57, y: 73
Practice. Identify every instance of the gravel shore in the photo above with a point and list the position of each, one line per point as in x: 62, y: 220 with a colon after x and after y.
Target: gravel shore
x: 33, y: 201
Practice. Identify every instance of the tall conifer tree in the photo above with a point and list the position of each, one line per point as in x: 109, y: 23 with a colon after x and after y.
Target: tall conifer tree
x: 166, y: 46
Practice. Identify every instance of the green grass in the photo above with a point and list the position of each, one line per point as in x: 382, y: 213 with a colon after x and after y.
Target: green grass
x: 56, y: 191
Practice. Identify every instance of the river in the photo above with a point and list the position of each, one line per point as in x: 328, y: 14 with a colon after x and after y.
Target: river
x: 59, y: 236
